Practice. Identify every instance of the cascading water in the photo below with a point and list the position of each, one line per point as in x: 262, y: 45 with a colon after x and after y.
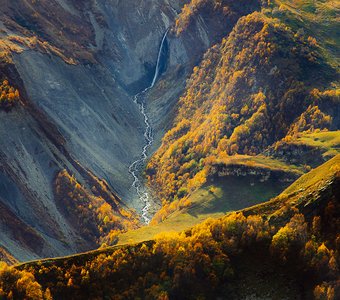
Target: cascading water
x: 137, y: 165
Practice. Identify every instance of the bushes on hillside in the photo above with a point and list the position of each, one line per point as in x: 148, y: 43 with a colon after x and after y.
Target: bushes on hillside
x: 97, y: 220
x: 16, y: 284
x: 9, y: 96
x: 290, y: 239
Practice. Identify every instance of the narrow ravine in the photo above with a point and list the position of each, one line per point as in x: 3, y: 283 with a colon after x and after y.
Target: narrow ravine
x: 138, y: 165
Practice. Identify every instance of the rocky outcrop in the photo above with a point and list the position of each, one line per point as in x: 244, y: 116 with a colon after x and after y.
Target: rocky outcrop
x: 261, y: 174
x: 298, y: 154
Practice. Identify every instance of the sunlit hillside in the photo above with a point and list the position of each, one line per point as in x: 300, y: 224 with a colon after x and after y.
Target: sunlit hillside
x: 169, y: 149
x: 256, y: 100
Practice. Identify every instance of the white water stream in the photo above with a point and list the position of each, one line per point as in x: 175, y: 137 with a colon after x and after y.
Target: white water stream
x: 138, y: 164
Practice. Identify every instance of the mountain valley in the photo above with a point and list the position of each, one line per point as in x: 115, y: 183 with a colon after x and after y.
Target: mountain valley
x: 154, y: 147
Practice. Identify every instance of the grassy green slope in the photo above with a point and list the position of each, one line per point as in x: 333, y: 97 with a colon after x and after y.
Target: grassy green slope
x: 320, y: 19
x: 302, y: 189
x: 317, y: 176
x: 328, y: 142
x: 217, y: 198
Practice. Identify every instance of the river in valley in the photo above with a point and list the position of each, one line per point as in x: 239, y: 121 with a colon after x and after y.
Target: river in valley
x: 137, y: 166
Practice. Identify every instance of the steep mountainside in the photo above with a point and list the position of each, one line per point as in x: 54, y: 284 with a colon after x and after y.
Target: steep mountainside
x: 76, y: 66
x: 255, y: 96
x: 287, y: 248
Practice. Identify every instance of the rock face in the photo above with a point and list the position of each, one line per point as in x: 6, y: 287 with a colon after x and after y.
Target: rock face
x: 76, y: 82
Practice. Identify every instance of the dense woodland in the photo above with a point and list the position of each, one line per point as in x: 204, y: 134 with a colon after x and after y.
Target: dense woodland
x: 263, y: 84
x: 290, y: 234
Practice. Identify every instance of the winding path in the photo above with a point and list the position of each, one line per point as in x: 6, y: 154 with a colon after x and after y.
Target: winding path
x: 137, y: 165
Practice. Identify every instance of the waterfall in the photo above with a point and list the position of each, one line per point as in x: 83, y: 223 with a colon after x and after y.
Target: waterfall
x: 158, y: 65
x: 138, y: 164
